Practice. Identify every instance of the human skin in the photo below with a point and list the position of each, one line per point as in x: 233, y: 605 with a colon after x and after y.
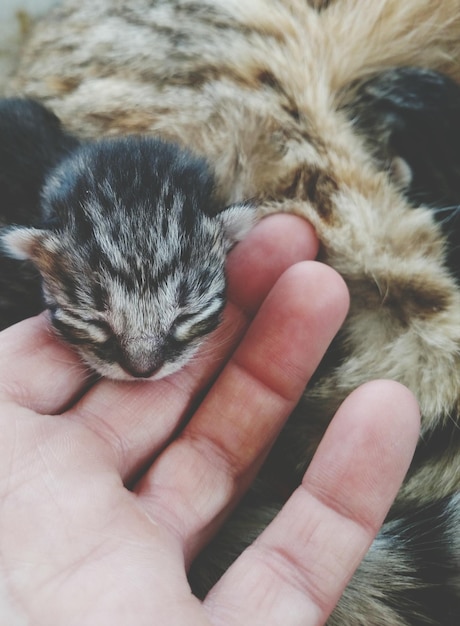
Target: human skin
x: 105, y: 500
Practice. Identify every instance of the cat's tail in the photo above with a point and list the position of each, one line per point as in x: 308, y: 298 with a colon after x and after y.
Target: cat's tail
x: 371, y: 35
x: 411, y: 574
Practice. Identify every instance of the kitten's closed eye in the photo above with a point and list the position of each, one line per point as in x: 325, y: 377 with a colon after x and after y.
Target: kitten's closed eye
x: 190, y: 326
x: 78, y: 330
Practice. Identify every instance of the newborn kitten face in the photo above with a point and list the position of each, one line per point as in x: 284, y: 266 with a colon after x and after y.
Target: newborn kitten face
x: 133, y: 263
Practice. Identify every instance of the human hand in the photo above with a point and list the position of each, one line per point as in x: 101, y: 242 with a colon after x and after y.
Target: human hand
x: 104, y: 502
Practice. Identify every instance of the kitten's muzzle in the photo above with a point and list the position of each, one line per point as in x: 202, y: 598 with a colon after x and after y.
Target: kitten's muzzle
x: 137, y: 372
x: 140, y: 360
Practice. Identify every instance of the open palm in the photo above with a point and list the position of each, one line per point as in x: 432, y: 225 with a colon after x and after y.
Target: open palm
x: 108, y: 489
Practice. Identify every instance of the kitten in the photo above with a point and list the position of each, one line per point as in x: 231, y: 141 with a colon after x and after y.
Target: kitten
x: 262, y: 90
x: 132, y: 249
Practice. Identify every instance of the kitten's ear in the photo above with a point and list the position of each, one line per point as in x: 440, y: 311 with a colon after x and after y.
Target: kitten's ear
x: 237, y: 220
x: 28, y: 243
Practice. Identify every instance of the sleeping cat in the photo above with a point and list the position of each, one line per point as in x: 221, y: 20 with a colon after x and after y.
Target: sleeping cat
x: 273, y: 94
x: 130, y: 244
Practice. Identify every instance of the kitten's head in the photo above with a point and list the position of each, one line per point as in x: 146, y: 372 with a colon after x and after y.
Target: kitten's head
x: 133, y: 260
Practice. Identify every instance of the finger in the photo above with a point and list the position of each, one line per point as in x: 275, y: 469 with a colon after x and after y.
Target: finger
x: 296, y: 571
x: 209, y: 466
x: 42, y: 373
x: 275, y: 244
x: 38, y: 371
x: 137, y: 420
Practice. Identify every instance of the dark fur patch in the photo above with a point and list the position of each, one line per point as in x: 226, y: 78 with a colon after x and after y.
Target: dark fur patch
x: 32, y: 142
x: 414, y: 114
x: 439, y: 444
x: 407, y: 299
x: 320, y: 5
x: 320, y: 188
x: 425, y: 536
x: 410, y: 300
x: 316, y: 187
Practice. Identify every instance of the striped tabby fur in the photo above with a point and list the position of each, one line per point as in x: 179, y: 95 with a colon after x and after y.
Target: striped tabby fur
x: 265, y: 90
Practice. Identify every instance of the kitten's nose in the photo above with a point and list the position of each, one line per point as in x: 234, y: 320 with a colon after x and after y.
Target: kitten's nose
x: 140, y: 365
x: 139, y: 372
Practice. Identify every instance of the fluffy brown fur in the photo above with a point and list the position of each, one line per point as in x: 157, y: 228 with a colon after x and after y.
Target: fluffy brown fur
x: 259, y: 88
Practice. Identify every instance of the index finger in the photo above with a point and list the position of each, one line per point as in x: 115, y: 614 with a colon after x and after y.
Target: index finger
x: 204, y: 471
